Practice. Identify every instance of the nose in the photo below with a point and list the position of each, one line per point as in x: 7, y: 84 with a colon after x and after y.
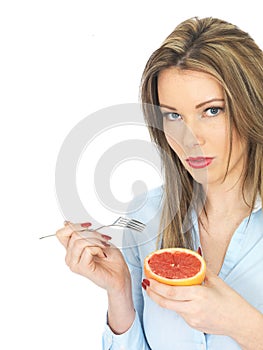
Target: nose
x: 191, y: 135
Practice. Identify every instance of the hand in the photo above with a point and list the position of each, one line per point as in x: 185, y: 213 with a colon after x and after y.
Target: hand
x: 91, y: 255
x: 213, y: 307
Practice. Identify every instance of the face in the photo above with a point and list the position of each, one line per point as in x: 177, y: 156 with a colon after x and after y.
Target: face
x: 196, y: 126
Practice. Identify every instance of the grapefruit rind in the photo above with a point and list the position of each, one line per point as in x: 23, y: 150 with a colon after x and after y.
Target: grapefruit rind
x: 189, y: 281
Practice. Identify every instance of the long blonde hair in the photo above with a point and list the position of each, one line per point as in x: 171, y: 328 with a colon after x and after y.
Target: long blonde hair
x: 231, y: 56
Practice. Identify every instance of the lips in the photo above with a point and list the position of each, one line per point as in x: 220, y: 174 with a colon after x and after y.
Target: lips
x: 199, y: 162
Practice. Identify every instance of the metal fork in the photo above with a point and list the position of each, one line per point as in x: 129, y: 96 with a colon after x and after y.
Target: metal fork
x: 123, y: 222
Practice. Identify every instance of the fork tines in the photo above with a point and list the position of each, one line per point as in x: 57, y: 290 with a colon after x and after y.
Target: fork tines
x: 132, y: 223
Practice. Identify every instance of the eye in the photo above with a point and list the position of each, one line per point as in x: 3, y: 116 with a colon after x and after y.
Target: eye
x: 171, y: 116
x: 213, y: 111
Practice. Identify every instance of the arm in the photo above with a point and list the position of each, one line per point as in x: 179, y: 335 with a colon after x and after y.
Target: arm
x: 124, y: 329
x: 248, y: 331
x: 121, y: 313
x: 90, y: 255
x: 213, y: 308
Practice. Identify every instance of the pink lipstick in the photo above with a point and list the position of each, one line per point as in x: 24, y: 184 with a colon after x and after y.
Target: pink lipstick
x: 199, y: 162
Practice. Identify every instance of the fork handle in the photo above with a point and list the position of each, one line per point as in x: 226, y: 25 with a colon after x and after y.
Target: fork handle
x: 97, y: 228
x: 53, y: 234
x: 86, y: 229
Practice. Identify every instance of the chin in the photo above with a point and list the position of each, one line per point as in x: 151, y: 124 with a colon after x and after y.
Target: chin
x: 200, y: 177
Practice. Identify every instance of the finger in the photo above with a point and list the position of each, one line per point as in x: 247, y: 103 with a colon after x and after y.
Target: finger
x: 76, y: 249
x: 88, y: 257
x: 179, y: 293
x: 86, y: 236
x: 64, y: 235
x: 199, y: 251
x: 89, y: 234
x: 179, y: 306
x: 80, y: 226
x: 86, y: 232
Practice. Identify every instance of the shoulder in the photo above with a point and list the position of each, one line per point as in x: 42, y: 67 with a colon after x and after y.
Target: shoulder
x: 146, y: 205
x: 146, y: 208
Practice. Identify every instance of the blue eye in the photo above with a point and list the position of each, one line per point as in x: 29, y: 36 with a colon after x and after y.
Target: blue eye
x: 213, y: 111
x: 171, y: 116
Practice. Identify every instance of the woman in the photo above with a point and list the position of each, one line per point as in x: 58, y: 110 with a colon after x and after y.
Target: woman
x: 202, y: 94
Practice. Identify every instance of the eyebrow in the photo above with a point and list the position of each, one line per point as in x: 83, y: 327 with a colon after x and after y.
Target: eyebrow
x: 197, y: 106
x: 212, y: 100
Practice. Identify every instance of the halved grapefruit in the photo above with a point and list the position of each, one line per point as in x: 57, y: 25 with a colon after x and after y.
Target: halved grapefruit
x: 175, y: 266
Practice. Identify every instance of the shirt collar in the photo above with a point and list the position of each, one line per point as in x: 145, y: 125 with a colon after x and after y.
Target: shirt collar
x: 258, y: 204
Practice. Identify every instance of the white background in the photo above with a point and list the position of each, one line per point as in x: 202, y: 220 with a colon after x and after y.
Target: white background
x: 61, y: 61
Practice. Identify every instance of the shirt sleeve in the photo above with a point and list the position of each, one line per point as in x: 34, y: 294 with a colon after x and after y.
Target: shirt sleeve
x: 133, y: 339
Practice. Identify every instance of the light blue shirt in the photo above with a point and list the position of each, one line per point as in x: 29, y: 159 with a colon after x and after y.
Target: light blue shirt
x: 156, y: 328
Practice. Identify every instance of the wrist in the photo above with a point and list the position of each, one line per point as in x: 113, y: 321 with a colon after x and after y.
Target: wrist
x: 121, y: 311
x: 248, y: 332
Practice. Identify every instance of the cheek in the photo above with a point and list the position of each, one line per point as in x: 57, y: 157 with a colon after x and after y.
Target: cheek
x: 239, y: 147
x: 174, y: 145
x: 172, y: 138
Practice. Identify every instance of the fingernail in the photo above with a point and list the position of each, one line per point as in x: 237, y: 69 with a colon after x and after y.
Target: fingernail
x: 146, y: 282
x: 106, y: 237
x: 85, y: 224
x: 199, y: 251
x: 105, y: 244
x: 144, y: 286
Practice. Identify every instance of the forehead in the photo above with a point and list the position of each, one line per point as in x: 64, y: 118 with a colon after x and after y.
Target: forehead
x: 176, y: 87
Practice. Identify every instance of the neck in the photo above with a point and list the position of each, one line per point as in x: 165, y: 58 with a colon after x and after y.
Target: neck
x: 223, y: 201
